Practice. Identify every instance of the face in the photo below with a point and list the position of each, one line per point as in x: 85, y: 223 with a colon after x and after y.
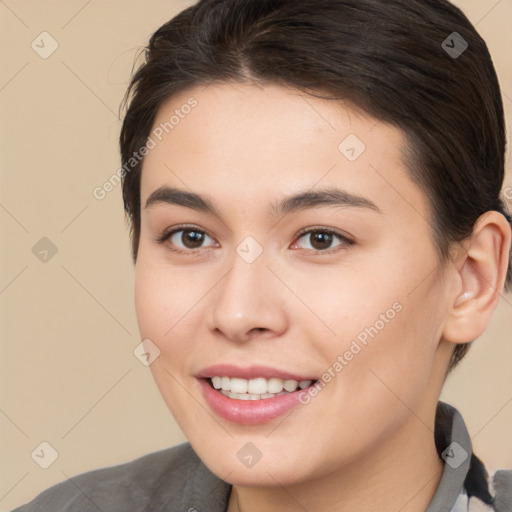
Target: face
x: 283, y: 244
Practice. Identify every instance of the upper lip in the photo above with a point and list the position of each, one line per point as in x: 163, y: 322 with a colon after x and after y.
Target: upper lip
x: 249, y: 372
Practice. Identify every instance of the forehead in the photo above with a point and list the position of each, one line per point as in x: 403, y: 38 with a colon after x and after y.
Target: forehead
x: 243, y: 139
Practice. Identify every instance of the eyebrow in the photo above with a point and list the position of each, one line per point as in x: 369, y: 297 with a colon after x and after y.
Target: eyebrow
x: 323, y: 197
x: 171, y: 195
x: 297, y: 202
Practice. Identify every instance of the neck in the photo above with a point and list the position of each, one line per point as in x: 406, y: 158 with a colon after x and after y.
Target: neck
x: 402, y: 474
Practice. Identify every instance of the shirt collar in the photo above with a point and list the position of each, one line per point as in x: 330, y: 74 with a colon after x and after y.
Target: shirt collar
x: 453, y: 445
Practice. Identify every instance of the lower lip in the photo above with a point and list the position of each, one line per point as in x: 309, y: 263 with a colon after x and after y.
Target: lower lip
x: 249, y: 412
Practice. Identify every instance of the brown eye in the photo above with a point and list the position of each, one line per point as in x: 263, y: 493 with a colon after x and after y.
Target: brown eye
x: 321, y: 240
x: 184, y: 240
x: 191, y: 239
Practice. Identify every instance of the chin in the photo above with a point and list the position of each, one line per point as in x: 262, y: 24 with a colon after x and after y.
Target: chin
x: 269, y: 471
x: 271, y: 476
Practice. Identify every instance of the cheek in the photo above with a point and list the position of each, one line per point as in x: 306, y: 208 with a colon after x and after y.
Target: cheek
x: 165, y: 298
x: 151, y: 302
x: 394, y: 367
x: 165, y: 304
x: 384, y: 326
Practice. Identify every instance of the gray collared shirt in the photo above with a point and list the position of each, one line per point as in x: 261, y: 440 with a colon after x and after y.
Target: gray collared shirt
x: 176, y: 480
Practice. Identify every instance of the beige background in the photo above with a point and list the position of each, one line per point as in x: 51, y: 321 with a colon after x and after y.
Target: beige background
x: 68, y: 329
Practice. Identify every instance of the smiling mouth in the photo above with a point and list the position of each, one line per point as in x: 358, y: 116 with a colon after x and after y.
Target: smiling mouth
x: 259, y: 388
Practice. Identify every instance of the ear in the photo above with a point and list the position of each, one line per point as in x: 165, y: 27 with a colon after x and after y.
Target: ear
x: 481, y: 271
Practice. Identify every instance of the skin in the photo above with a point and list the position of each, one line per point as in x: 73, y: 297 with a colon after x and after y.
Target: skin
x: 365, y: 442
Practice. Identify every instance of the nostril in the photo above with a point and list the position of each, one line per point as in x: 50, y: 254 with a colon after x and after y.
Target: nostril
x: 259, y: 329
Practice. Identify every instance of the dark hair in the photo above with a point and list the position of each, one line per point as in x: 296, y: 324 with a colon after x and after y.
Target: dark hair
x: 398, y: 60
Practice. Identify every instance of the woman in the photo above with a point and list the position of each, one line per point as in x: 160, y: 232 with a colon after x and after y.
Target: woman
x: 313, y: 192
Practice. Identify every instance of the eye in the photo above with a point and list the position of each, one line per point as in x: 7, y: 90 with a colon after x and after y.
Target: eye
x: 185, y: 239
x: 321, y: 240
x: 189, y: 239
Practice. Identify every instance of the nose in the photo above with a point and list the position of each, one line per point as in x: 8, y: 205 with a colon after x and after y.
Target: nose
x: 248, y: 302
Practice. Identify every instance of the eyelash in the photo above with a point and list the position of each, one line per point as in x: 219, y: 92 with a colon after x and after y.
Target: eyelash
x: 345, y: 241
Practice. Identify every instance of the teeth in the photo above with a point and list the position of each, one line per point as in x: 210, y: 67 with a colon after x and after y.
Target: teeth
x: 275, y: 385
x: 255, y: 389
x: 256, y: 386
x: 239, y: 386
x: 226, y: 383
x: 290, y: 385
x: 247, y: 396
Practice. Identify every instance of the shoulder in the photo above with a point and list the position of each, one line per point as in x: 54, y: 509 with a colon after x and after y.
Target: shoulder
x: 501, y: 488
x: 485, y: 492
x: 150, y: 482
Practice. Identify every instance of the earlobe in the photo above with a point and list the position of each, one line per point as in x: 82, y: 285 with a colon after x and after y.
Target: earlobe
x: 481, y: 273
